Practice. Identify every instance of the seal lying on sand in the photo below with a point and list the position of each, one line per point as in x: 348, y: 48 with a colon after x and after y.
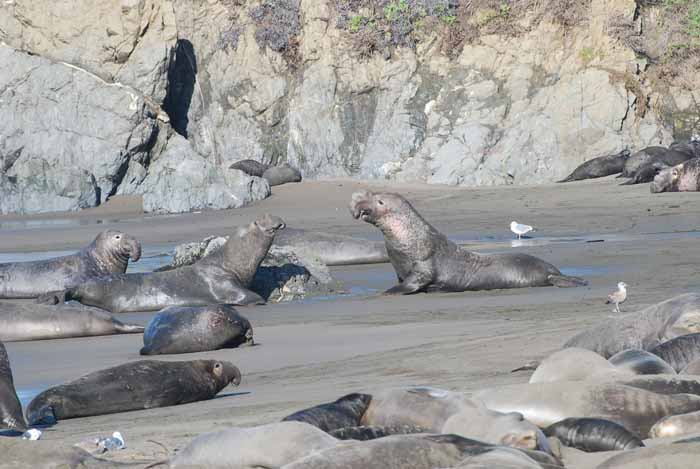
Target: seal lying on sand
x: 573, y: 364
x: 680, y: 455
x: 652, y: 166
x: 39, y: 322
x: 640, y: 362
x: 108, y: 254
x: 593, y: 435
x: 11, y: 417
x: 684, y: 177
x: 221, y: 277
x: 346, y: 411
x: 676, y: 425
x: 643, y: 330
x: 599, y: 167
x: 183, y: 329
x: 547, y: 403
x: 425, y: 260
x: 133, y: 386
x: 651, y: 155
x: 278, y: 175
x: 680, y: 351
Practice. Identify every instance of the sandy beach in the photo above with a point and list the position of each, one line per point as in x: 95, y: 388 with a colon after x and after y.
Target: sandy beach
x: 316, y: 350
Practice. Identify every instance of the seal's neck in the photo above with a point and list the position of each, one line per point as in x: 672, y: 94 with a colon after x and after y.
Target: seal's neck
x: 244, y: 252
x: 108, y: 261
x: 405, y: 228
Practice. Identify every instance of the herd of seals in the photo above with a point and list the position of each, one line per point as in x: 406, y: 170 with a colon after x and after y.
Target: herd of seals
x: 611, y: 388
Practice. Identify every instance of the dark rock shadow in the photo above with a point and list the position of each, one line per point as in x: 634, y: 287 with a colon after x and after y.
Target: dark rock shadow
x: 182, y: 76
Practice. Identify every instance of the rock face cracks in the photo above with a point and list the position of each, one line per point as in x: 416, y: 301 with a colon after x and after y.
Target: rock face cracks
x: 159, y: 97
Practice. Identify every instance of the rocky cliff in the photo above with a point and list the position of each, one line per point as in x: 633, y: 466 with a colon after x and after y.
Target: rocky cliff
x: 159, y: 97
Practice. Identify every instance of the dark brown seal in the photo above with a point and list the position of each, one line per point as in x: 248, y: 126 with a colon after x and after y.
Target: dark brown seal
x: 11, y: 417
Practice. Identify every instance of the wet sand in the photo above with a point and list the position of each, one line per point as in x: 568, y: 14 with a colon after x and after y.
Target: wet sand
x: 315, y: 350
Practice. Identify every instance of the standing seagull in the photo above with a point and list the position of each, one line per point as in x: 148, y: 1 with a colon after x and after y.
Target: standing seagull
x: 618, y: 297
x: 519, y: 229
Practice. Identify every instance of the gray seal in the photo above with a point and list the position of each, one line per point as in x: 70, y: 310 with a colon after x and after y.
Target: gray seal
x: 652, y: 166
x: 346, y: 411
x: 133, y: 386
x: 223, y: 276
x: 640, y: 157
x: 185, y: 329
x: 278, y: 175
x: 642, y: 330
x: 592, y: 435
x: 680, y: 455
x: 250, y: 167
x: 641, y: 362
x: 425, y: 260
x: 680, y: 351
x: 39, y: 322
x: 108, y: 254
x: 676, y: 425
x: 599, y: 167
x: 11, y: 417
x: 684, y: 177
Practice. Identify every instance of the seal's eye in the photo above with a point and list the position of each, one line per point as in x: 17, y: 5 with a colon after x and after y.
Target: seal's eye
x: 380, y: 202
x: 117, y: 237
x: 217, y: 366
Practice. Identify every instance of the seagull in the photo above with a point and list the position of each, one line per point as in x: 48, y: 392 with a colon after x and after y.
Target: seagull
x: 618, y: 297
x: 519, y: 229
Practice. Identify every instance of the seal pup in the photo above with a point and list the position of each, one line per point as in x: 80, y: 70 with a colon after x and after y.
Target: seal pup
x: 676, y: 425
x: 441, y: 411
x: 679, y: 351
x: 642, y: 330
x: 640, y: 362
x: 346, y: 411
x: 593, y: 435
x: 108, y: 254
x: 425, y: 260
x: 618, y: 297
x: 684, y: 177
x: 40, y: 322
x: 185, y: 329
x: 599, y: 167
x: 272, y: 445
x: 220, y: 277
x: 520, y: 230
x: 11, y: 417
x: 282, y: 174
x: 250, y: 167
x: 133, y: 386
x: 546, y: 403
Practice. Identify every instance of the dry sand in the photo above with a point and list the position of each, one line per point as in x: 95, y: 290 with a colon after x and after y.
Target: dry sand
x: 316, y: 350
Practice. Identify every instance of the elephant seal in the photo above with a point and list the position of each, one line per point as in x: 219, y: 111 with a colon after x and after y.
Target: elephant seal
x: 653, y: 165
x: 250, y: 167
x: 11, y: 417
x: 593, y: 435
x: 441, y: 411
x: 547, y: 403
x: 573, y: 364
x: 692, y: 368
x: 372, y: 432
x: 184, y: 329
x: 669, y: 456
x: 220, y: 277
x: 272, y: 445
x: 410, y: 451
x: 133, y: 386
x: 684, y: 177
x: 642, y: 330
x: 425, y: 260
x: 333, y: 249
x: 676, y: 425
x: 344, y: 412
x: 679, y: 351
x: 664, y: 384
x: 108, y: 254
x: 641, y: 362
x: 278, y: 175
x: 599, y: 167
x: 40, y: 322
x: 639, y: 158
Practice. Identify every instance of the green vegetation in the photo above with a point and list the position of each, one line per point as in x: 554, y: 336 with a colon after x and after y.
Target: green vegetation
x: 587, y: 54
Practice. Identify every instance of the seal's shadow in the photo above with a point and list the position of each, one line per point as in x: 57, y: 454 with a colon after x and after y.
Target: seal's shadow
x: 232, y: 394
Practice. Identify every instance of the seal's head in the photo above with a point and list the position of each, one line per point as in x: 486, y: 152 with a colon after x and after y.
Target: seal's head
x: 118, y: 245
x: 269, y: 224
x: 666, y: 179
x: 223, y: 373
x: 372, y: 207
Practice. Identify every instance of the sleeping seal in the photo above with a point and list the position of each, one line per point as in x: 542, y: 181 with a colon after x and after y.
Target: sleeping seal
x: 108, y: 254
x: 599, y: 167
x: 221, y: 277
x: 680, y: 351
x: 641, y: 362
x: 593, y: 435
x: 133, y: 386
x: 425, y: 260
x: 11, y: 417
x: 346, y: 411
x: 676, y: 425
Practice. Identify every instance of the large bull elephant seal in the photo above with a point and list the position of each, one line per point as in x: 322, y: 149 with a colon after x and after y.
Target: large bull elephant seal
x: 223, y: 276
x: 684, y: 177
x: 642, y: 330
x: 185, y: 329
x: 599, y: 167
x: 11, y: 417
x: 133, y: 386
x: 40, y: 322
x: 108, y: 254
x: 425, y: 260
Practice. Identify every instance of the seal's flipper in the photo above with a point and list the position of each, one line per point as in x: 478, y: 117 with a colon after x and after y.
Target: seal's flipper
x: 248, y: 297
x: 372, y: 432
x: 128, y: 328
x: 565, y: 281
x: 54, y: 297
x: 567, y: 179
x: 527, y: 366
x: 411, y: 284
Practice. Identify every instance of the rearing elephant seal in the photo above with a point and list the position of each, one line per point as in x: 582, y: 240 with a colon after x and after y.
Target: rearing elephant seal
x: 108, y: 254
x: 11, y: 417
x: 425, y: 260
x: 132, y: 386
x: 221, y: 277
